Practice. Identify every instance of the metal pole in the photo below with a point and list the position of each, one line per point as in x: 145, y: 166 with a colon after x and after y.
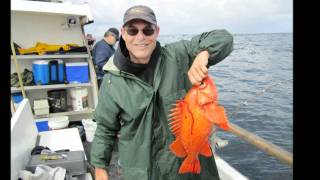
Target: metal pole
x: 92, y: 70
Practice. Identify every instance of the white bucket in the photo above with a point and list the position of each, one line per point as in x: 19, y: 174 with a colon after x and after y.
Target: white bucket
x: 58, y: 122
x: 79, y: 98
x: 90, y: 128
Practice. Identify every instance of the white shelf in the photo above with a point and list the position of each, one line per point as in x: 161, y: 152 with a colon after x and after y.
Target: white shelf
x: 51, y: 56
x: 48, y: 23
x: 68, y: 113
x: 53, y: 86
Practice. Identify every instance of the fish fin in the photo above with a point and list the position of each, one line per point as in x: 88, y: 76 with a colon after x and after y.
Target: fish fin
x: 219, y: 117
x: 206, y: 150
x: 191, y: 165
x: 177, y: 148
x: 224, y: 126
x: 223, y: 119
x: 175, y: 117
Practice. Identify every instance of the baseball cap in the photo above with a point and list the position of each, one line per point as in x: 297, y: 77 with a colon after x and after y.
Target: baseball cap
x: 114, y: 31
x: 140, y: 12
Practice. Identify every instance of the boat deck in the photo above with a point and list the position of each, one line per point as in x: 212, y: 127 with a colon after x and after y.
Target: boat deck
x: 226, y: 172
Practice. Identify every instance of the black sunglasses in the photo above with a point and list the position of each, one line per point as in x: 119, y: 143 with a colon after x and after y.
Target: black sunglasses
x: 148, y: 31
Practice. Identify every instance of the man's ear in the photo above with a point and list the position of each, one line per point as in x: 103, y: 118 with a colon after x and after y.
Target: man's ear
x: 124, y: 37
x: 157, y: 31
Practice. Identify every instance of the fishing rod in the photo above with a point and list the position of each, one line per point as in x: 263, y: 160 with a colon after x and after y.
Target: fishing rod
x: 246, y: 102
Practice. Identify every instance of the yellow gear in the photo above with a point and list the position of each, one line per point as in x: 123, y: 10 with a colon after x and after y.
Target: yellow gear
x: 42, y: 48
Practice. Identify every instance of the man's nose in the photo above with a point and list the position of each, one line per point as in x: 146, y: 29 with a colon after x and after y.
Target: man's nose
x: 140, y: 35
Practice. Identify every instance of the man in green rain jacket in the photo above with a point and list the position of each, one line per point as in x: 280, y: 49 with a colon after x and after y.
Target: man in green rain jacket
x: 141, y: 83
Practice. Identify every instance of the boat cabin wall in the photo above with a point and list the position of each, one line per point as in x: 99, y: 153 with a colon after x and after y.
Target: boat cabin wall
x: 27, y: 28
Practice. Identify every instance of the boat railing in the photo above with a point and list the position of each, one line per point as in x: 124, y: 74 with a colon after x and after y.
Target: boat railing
x: 262, y: 144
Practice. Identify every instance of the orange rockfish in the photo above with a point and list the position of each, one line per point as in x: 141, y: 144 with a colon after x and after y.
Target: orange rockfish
x: 191, y: 123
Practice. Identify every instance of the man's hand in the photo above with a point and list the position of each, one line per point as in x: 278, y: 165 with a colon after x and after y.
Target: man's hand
x: 198, y: 70
x: 101, y: 174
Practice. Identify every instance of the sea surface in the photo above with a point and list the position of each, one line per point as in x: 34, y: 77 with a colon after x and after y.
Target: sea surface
x: 255, y: 86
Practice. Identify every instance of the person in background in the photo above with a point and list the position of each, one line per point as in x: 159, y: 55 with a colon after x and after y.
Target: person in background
x: 103, y: 50
x: 142, y: 81
x: 90, y: 40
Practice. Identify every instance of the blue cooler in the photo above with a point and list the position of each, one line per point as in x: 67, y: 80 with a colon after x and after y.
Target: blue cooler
x: 48, y: 72
x: 17, y: 97
x: 56, y: 71
x: 42, y: 125
x: 40, y: 69
x: 77, y: 72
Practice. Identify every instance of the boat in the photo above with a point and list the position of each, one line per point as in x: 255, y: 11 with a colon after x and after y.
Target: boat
x: 25, y: 136
x: 49, y: 21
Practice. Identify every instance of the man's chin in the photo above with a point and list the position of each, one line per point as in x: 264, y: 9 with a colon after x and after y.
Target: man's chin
x: 142, y: 56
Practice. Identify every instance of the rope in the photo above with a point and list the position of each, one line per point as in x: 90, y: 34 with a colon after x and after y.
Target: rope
x: 18, y: 69
x: 245, y: 103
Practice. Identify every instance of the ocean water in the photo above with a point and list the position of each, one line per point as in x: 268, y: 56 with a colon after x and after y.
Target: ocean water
x: 255, y: 87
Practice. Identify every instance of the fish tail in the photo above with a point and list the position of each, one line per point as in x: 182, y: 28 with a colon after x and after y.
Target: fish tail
x: 190, y: 164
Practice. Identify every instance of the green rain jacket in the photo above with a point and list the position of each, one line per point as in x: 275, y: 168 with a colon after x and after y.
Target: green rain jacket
x: 139, y: 111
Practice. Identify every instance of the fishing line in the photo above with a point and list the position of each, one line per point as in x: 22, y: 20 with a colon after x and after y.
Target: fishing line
x: 260, y: 93
x: 220, y: 143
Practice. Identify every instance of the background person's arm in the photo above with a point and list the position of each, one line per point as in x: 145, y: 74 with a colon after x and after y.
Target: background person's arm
x: 101, y: 54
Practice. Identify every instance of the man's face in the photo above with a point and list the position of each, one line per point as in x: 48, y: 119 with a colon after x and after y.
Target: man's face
x: 112, y: 39
x: 141, y: 43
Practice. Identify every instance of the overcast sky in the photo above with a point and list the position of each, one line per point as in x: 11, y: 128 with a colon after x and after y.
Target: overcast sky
x: 196, y: 16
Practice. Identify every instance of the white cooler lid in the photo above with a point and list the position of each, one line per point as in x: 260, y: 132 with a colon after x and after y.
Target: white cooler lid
x: 77, y: 64
x: 40, y: 62
x: 60, y: 61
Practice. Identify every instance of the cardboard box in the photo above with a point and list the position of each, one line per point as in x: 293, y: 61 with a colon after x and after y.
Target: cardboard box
x: 41, y: 107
